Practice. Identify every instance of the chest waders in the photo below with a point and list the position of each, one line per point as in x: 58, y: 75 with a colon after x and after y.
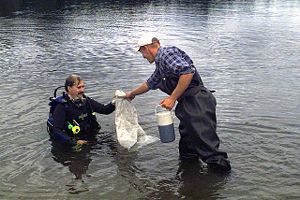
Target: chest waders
x: 196, y: 110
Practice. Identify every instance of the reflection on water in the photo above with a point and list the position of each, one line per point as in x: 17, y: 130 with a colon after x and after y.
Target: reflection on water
x: 195, y: 182
x: 248, y: 51
x: 192, y: 181
x: 76, y: 158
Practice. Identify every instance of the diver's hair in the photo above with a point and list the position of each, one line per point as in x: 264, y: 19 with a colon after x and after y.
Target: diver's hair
x: 72, y: 80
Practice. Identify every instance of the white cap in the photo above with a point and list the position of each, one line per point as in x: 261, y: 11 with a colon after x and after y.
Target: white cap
x: 145, y: 39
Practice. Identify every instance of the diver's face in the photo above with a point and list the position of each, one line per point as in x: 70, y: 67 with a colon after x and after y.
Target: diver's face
x: 80, y: 88
x: 77, y: 90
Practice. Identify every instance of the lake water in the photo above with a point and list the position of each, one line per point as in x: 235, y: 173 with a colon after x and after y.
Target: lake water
x: 248, y: 51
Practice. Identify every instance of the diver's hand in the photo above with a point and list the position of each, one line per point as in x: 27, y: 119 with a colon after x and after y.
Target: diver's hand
x: 168, y: 103
x: 81, y: 142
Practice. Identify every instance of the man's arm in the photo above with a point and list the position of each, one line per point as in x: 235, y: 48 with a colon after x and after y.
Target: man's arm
x: 182, y: 85
x: 101, y: 108
x: 143, y: 88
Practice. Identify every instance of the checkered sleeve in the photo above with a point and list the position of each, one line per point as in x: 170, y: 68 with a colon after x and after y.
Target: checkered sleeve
x: 177, y: 62
x: 154, y: 80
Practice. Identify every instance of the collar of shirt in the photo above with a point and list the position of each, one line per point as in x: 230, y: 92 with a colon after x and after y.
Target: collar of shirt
x: 158, y: 55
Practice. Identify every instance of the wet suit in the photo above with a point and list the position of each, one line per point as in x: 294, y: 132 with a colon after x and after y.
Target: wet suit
x: 196, y: 108
x: 82, y: 111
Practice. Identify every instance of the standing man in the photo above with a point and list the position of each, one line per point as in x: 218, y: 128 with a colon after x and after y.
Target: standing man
x: 176, y: 75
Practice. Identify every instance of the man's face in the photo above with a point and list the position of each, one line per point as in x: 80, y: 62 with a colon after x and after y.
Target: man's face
x: 147, y: 54
x: 77, y: 90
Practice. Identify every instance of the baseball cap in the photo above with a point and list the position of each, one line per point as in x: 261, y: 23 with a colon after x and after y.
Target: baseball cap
x: 145, y: 39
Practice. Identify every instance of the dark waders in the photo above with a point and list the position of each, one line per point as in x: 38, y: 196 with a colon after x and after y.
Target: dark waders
x: 196, y: 110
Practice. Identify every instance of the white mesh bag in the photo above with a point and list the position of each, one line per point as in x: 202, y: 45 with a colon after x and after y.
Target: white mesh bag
x: 126, y: 120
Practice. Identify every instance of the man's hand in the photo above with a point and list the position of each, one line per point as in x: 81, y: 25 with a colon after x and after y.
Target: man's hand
x: 129, y: 96
x: 137, y: 91
x: 168, y: 103
x: 81, y: 142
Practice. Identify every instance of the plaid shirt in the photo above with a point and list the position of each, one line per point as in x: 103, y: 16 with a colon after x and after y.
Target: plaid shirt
x: 170, y: 60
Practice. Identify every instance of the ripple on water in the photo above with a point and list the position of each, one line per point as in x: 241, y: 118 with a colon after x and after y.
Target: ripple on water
x: 246, y: 51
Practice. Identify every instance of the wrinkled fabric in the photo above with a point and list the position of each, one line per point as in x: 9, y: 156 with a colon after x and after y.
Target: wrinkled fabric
x: 198, y: 129
x: 129, y: 132
x: 127, y: 126
x: 198, y: 125
x: 126, y: 120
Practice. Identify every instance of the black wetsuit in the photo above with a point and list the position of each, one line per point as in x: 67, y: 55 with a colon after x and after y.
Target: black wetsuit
x: 80, y: 112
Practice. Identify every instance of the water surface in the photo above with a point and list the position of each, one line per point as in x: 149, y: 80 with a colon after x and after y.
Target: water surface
x: 248, y: 51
